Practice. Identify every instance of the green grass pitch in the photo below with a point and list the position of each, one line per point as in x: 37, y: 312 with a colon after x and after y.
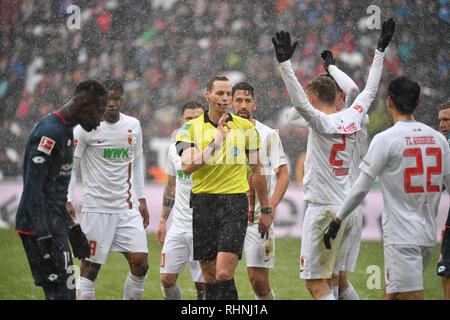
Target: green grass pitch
x: 16, y: 282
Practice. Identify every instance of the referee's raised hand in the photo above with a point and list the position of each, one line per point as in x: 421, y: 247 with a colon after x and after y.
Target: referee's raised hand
x: 222, y: 134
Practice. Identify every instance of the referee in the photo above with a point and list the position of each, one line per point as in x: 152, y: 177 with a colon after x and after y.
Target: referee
x: 214, y: 148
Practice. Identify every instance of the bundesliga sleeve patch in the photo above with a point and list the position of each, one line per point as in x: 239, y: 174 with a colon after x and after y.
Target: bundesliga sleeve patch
x: 46, y: 145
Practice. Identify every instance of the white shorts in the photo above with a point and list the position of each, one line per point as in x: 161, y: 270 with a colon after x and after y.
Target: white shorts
x: 177, y: 252
x: 106, y: 232
x: 316, y: 261
x: 404, y: 266
x: 351, y: 250
x: 259, y: 252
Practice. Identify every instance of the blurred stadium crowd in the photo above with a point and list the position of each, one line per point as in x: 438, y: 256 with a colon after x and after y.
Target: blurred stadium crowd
x: 165, y: 50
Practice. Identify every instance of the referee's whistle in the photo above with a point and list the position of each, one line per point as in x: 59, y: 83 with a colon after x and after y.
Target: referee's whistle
x: 263, y: 234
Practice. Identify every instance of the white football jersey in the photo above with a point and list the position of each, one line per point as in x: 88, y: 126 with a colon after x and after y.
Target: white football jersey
x: 107, y: 155
x: 360, y: 150
x: 332, y: 138
x: 410, y: 160
x: 181, y: 212
x: 272, y: 156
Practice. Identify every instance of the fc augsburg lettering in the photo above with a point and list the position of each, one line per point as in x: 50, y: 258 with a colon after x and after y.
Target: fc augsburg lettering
x: 116, y: 153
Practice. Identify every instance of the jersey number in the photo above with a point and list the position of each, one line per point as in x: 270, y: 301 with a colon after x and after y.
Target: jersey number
x: 418, y: 169
x: 334, y: 150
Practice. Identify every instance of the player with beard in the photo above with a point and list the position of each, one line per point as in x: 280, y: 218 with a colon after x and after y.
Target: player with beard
x: 260, y: 251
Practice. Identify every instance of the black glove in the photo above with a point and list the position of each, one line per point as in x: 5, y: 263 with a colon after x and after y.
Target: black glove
x: 79, y: 242
x: 51, y: 257
x: 330, y: 232
x: 327, y: 57
x: 387, y: 31
x: 283, y: 47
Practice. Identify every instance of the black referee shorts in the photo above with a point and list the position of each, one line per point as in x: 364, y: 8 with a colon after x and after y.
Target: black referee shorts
x: 219, y: 224
x: 64, y: 286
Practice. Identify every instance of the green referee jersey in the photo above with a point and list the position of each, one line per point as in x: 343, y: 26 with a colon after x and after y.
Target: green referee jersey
x: 226, y: 171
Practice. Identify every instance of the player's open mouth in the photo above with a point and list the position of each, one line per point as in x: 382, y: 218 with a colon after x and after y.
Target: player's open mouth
x: 243, y: 113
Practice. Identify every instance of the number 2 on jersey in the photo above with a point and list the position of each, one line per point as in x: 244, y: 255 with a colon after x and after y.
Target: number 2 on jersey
x: 334, y: 150
x: 419, y: 170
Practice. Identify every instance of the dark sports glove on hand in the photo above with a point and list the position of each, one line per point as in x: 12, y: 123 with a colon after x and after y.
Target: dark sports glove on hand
x: 327, y: 57
x: 387, y: 31
x: 79, y: 242
x: 331, y: 232
x: 283, y: 47
x: 51, y: 257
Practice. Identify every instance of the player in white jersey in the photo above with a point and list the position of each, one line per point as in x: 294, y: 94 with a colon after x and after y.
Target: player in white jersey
x: 260, y: 250
x: 114, y: 212
x: 178, y: 247
x: 331, y: 144
x: 347, y: 91
x: 412, y: 162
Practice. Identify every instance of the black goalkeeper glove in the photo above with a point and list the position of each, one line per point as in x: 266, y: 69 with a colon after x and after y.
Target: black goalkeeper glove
x: 327, y: 57
x: 79, y: 242
x: 387, y: 31
x: 51, y: 257
x: 331, y: 232
x: 283, y: 47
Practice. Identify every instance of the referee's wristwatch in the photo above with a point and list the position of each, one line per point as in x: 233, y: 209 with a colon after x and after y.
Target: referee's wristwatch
x: 267, y: 210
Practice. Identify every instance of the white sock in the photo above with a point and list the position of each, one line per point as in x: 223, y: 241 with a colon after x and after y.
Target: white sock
x: 86, y: 289
x: 172, y: 293
x: 270, y: 296
x: 335, y: 291
x: 134, y: 287
x: 329, y: 296
x: 348, y: 294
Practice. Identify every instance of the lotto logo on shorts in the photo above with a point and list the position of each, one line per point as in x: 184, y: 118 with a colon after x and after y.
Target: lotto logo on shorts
x: 302, y: 263
x: 46, y: 145
x: 163, y: 260
x: 93, y: 247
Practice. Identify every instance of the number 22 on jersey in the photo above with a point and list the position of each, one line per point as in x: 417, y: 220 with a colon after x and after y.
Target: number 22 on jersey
x: 419, y: 170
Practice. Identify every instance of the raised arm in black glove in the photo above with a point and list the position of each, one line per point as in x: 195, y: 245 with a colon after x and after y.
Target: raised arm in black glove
x: 79, y: 242
x: 331, y: 232
x: 327, y: 57
x: 387, y: 31
x: 283, y: 47
x: 51, y: 257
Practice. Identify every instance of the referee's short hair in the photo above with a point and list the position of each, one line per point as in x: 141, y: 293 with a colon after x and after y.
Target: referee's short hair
x: 192, y: 105
x: 324, y: 88
x: 444, y: 106
x: 210, y: 83
x: 405, y: 94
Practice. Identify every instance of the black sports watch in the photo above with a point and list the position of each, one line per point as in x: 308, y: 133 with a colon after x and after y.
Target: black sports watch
x: 267, y: 210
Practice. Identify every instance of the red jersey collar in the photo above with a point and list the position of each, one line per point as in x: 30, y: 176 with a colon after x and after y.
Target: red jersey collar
x: 60, y: 116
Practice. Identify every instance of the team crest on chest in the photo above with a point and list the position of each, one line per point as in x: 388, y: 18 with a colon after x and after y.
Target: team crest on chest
x: 130, y: 137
